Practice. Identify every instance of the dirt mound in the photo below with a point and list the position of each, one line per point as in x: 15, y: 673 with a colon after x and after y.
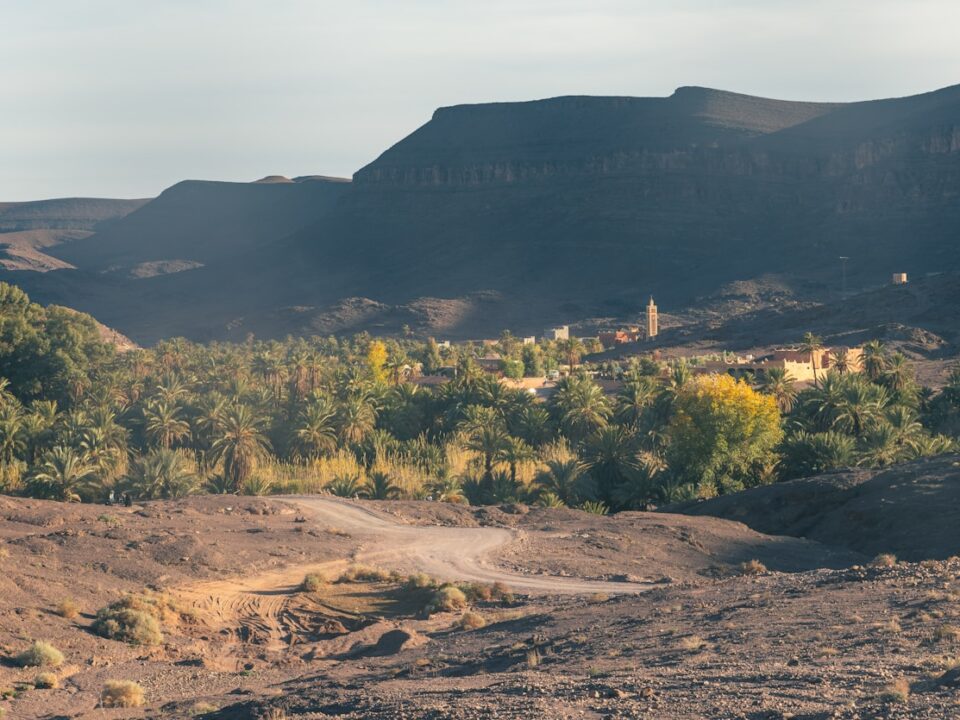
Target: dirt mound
x: 911, y: 510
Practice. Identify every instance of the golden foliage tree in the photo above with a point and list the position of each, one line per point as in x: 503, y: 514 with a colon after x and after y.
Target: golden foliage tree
x: 721, y: 433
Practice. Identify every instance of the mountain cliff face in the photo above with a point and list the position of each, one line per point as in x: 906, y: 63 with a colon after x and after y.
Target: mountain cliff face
x: 561, y: 208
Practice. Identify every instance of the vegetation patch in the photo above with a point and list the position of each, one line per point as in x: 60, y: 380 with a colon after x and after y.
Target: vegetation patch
x: 471, y: 621
x: 40, y: 654
x: 46, y: 681
x: 136, y: 619
x: 121, y: 694
x: 313, y: 582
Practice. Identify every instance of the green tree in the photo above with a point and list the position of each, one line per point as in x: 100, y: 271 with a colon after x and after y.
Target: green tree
x: 240, y: 446
x: 719, y: 430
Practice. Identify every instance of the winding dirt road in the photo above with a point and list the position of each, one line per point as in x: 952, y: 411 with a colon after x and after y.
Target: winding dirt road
x: 257, y: 605
x: 447, y: 553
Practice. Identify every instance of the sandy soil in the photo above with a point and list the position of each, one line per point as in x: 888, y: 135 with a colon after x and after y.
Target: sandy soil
x: 637, y: 615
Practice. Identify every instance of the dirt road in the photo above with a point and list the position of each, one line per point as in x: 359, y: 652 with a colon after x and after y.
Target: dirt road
x: 447, y: 553
x: 257, y: 605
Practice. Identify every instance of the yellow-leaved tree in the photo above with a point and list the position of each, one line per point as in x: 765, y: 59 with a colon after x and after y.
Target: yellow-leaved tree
x: 722, y: 435
x: 377, y: 360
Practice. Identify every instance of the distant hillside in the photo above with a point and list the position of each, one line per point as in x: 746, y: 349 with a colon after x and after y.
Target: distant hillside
x: 198, y: 222
x: 562, y: 209
x: 63, y: 213
x: 911, y: 510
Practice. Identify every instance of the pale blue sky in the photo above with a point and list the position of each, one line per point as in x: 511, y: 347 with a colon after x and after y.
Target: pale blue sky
x: 122, y: 98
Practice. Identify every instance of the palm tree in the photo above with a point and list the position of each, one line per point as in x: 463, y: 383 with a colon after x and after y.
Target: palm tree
x: 13, y: 442
x: 572, y: 348
x: 447, y: 489
x: 379, y: 486
x: 881, y: 447
x: 515, y: 452
x: 777, y: 383
x: 163, y: 424
x: 345, y: 486
x: 812, y: 344
x: 860, y: 404
x: 316, y: 431
x: 612, y: 455
x: 637, y: 395
x: 63, y: 475
x: 162, y: 473
x: 356, y: 417
x: 580, y: 406
x: 898, y: 375
x: 533, y: 425
x: 490, y: 441
x: 874, y: 359
x: 564, y: 479
x: 840, y: 360
x: 240, y: 445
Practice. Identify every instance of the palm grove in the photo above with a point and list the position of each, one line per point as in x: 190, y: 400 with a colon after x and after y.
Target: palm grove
x: 78, y: 420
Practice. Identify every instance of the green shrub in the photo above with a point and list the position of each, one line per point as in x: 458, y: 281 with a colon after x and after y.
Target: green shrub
x: 121, y: 694
x: 40, y: 654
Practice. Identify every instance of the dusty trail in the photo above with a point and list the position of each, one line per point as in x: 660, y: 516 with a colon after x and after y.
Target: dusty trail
x: 257, y: 604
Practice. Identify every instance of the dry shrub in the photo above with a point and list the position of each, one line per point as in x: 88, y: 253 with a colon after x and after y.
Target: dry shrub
x: 136, y: 619
x: 947, y: 633
x: 364, y: 573
x: 68, y: 609
x: 884, y: 560
x: 46, y: 681
x: 121, y: 694
x: 471, y: 621
x: 502, y: 592
x: 40, y: 654
x: 897, y: 691
x: 447, y: 598
x: 202, y: 708
x: 313, y: 582
x: 692, y: 643
x: 477, y: 592
x: 420, y: 581
x: 752, y: 567
x: 891, y: 627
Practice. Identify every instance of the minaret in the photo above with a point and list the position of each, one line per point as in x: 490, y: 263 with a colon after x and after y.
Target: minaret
x: 653, y: 324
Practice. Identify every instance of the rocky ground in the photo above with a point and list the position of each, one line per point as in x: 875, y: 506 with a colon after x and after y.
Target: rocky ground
x: 639, y: 615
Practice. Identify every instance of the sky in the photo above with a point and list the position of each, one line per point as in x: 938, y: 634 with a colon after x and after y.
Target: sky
x: 123, y: 98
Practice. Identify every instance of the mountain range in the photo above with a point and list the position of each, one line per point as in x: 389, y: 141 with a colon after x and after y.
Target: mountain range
x: 519, y: 215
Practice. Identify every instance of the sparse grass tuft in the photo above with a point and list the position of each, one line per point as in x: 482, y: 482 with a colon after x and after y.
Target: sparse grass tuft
x: 898, y: 691
x: 891, y: 627
x: 46, y: 681
x: 502, y: 592
x: 471, y: 621
x: 752, y: 567
x: 692, y: 643
x: 40, y: 654
x: 884, y: 560
x: 121, y: 694
x: 947, y: 633
x: 313, y: 582
x: 202, y: 708
x: 68, y: 609
x: 364, y: 573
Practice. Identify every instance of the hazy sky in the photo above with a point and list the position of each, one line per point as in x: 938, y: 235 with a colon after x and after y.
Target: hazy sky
x: 122, y: 98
